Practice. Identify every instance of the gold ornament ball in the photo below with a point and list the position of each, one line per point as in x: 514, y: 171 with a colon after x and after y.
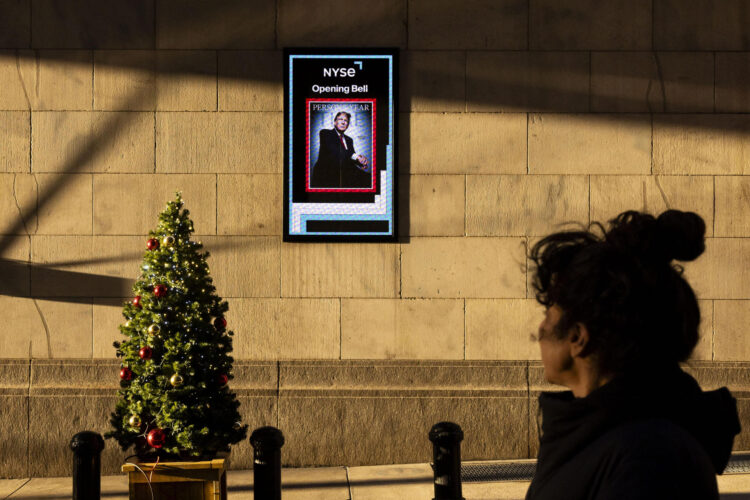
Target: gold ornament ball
x: 127, y: 324
x: 134, y: 421
x: 176, y: 380
x: 154, y: 329
x: 168, y: 240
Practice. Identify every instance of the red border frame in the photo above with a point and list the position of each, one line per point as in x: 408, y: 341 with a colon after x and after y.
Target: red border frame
x: 309, y: 189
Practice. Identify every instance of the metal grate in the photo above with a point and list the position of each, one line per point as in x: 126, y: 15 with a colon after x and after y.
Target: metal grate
x: 508, y: 471
x: 738, y: 464
x: 524, y: 471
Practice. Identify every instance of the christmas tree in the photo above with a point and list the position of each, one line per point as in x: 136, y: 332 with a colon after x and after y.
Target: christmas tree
x: 174, y: 398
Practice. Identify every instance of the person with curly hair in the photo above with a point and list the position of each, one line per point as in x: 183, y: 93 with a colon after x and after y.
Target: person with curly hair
x: 620, y: 318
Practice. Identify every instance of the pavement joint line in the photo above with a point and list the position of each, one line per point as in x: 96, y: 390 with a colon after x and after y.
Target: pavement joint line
x: 19, y: 488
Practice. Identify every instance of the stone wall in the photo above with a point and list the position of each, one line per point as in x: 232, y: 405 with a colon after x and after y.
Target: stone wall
x: 353, y: 412
x: 516, y: 116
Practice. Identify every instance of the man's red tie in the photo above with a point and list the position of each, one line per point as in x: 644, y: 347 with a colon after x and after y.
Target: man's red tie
x: 341, y: 138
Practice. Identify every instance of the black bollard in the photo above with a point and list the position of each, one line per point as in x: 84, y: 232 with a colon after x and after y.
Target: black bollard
x: 267, y: 443
x: 446, y: 440
x: 87, y: 447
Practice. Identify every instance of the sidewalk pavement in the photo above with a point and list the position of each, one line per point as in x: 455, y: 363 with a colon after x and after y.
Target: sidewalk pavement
x: 381, y: 482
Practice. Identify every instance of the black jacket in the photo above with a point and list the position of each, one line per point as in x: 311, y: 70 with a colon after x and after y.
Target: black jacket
x: 637, y: 437
x: 335, y: 167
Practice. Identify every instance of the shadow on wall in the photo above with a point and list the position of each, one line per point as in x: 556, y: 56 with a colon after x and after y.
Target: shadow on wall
x: 596, y: 83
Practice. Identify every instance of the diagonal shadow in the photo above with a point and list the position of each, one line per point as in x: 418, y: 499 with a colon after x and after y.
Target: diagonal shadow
x: 93, y: 149
x: 518, y: 85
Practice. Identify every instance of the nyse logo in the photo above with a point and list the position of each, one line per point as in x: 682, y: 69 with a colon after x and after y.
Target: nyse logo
x: 339, y: 72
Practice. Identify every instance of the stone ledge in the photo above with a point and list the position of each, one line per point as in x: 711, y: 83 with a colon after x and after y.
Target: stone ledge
x: 360, y: 412
x: 367, y: 375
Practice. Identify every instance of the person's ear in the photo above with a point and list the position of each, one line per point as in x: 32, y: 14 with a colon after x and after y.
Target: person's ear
x: 578, y: 339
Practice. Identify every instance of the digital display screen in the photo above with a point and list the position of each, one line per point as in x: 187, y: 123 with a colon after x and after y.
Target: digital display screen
x: 340, y: 115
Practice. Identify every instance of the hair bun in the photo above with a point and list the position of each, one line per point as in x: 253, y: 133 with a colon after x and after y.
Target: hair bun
x: 680, y: 235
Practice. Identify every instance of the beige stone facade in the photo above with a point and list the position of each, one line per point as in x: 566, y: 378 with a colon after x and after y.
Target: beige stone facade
x: 516, y: 116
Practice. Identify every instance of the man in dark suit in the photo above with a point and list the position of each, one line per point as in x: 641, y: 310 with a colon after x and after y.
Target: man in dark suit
x: 338, y: 165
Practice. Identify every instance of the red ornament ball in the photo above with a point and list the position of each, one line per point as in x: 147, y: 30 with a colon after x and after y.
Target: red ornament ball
x: 160, y: 291
x: 146, y: 352
x: 222, y: 379
x: 137, y: 301
x: 220, y: 323
x: 156, y: 438
x: 152, y: 244
x: 126, y: 373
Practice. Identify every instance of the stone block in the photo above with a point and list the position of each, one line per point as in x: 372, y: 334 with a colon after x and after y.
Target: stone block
x: 723, y: 271
x: 119, y: 75
x: 614, y: 194
x: 730, y: 339
x: 527, y: 81
x: 15, y: 23
x: 67, y: 214
x: 732, y: 206
x: 647, y: 82
x: 251, y: 80
x: 402, y: 329
x: 590, y: 25
x: 17, y: 89
x: 702, y: 144
x: 435, y: 205
x: 14, y: 376
x: 339, y: 270
x: 55, y: 419
x: 589, y: 144
x: 255, y: 377
x: 249, y: 204
x: 206, y: 24
x: 406, y: 397
x: 701, y: 25
x: 742, y: 440
x: 704, y: 350
x: 433, y: 81
x: 77, y: 142
x: 224, y: 142
x: 28, y: 333
x: 74, y: 376
x: 255, y: 412
x: 522, y: 205
x: 106, y: 317
x: 735, y: 375
x: 276, y: 328
x: 474, y: 24
x: 244, y: 266
x: 380, y: 23
x: 85, y: 266
x: 463, y: 267
x: 55, y: 79
x: 18, y: 195
x: 14, y: 435
x: 351, y: 430
x: 164, y: 80
x: 15, y: 129
x: 66, y: 331
x: 732, y: 78
x: 459, y: 143
x: 186, y: 80
x: 502, y: 329
x: 15, y: 255
x: 384, y: 378
x: 92, y: 24
x: 130, y: 204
